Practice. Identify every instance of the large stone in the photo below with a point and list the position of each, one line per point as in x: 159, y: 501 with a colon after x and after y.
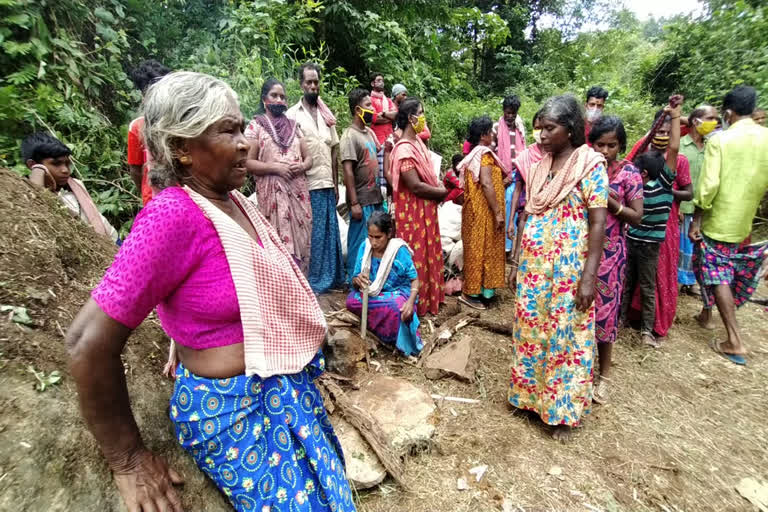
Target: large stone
x: 405, y: 412
x: 363, y: 467
x: 452, y: 360
x: 345, y: 348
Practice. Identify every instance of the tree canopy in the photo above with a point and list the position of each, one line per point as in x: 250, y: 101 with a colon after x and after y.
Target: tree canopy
x: 67, y: 62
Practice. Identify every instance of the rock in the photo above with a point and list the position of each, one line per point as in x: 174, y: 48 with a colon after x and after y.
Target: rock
x: 756, y: 492
x: 363, y: 467
x: 462, y: 485
x: 405, y: 412
x: 343, y: 351
x: 452, y: 360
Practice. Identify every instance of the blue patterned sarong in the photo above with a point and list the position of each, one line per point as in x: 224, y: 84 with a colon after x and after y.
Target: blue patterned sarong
x: 326, y: 263
x: 358, y: 232
x: 266, y: 443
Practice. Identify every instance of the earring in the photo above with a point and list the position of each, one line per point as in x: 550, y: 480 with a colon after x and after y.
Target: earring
x: 185, y: 160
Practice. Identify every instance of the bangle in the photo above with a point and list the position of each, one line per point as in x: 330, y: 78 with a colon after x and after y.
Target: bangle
x: 618, y: 212
x: 676, y: 117
x: 354, y: 204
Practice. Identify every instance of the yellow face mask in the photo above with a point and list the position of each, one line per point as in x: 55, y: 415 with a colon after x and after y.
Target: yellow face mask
x: 421, y: 122
x: 537, y: 136
x: 706, y: 127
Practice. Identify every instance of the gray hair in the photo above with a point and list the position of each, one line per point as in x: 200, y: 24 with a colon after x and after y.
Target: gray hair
x: 565, y: 110
x: 179, y: 106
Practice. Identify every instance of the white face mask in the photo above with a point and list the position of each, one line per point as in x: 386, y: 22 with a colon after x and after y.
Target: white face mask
x: 593, y: 114
x: 537, y: 136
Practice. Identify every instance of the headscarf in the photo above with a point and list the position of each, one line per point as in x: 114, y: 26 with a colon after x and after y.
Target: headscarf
x: 545, y: 194
x: 397, y: 89
x: 282, y: 129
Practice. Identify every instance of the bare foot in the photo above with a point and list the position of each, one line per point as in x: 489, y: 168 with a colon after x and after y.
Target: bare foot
x: 562, y: 433
x: 704, y: 319
x: 729, y: 348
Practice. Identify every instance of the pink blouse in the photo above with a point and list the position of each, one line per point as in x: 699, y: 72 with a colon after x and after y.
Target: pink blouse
x: 173, y: 259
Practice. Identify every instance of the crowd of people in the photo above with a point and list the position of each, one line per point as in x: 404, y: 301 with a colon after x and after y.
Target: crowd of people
x: 592, y: 241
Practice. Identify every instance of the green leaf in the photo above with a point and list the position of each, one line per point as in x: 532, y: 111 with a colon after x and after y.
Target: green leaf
x: 18, y: 314
x: 24, y: 75
x: 13, y: 48
x: 104, y: 15
x: 21, y: 20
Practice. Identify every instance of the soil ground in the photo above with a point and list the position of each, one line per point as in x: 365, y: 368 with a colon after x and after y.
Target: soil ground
x: 683, y: 425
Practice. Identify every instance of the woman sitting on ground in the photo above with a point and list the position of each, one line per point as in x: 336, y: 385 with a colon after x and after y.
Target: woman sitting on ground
x: 246, y: 323
x: 482, y: 217
x: 385, y: 267
x: 48, y: 160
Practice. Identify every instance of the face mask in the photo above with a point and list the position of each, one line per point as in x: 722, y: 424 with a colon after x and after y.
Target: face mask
x: 705, y: 127
x: 537, y: 136
x: 367, y: 115
x: 420, y: 124
x: 277, y: 109
x: 311, y: 97
x: 661, y: 141
x: 593, y: 114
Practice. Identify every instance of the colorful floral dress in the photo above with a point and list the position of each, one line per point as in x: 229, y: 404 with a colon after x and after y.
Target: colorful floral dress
x: 554, y: 344
x: 483, y: 243
x: 284, y: 202
x: 626, y: 182
x: 416, y: 223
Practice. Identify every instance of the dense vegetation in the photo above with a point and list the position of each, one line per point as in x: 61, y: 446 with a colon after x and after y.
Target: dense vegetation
x: 66, y: 62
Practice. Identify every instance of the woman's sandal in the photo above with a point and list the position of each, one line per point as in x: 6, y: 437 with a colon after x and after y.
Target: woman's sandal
x: 602, y: 390
x: 475, y: 304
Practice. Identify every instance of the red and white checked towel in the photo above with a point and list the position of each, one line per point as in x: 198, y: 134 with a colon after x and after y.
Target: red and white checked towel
x: 283, y: 324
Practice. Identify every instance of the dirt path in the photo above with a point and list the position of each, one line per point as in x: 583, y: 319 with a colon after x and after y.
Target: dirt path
x: 682, y: 428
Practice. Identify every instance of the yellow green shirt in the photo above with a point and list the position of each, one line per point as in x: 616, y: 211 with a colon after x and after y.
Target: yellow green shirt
x: 695, y: 157
x: 733, y: 181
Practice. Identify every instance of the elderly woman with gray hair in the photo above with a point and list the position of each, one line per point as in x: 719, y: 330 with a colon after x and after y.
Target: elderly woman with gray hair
x: 247, y: 326
x: 561, y: 243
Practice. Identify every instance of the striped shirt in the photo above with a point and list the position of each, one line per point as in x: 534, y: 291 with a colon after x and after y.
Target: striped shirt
x: 657, y: 202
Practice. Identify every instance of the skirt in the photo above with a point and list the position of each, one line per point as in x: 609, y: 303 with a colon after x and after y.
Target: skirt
x: 385, y: 322
x: 266, y: 443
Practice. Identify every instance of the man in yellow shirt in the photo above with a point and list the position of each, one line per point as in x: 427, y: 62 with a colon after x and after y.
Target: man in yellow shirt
x: 733, y: 181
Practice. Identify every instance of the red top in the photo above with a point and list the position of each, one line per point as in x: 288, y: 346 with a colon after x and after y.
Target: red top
x: 381, y: 104
x: 138, y: 155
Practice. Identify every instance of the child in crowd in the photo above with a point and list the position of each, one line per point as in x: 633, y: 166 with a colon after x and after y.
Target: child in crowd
x: 48, y: 160
x: 644, y: 240
x: 452, y: 183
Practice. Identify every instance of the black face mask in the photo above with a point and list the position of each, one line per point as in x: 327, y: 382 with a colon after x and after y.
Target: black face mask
x: 277, y: 109
x: 311, y: 97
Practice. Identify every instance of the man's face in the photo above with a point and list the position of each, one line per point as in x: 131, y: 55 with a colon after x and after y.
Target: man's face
x: 598, y: 103
x: 510, y: 114
x: 378, y: 83
x: 759, y: 117
x: 311, y: 82
x: 59, y: 167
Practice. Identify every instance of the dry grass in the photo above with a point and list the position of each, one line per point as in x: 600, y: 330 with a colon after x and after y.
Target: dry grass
x: 683, y: 426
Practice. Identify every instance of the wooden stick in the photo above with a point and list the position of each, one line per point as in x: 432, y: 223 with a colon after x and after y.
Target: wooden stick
x: 368, y: 427
x: 364, y: 316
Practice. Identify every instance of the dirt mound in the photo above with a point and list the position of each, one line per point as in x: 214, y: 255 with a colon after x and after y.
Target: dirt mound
x: 49, y: 262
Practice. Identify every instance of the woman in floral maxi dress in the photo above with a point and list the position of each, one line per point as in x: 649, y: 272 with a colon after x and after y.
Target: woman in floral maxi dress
x: 561, y: 244
x: 625, y: 206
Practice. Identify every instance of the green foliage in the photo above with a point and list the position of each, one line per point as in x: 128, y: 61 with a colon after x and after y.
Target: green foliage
x: 705, y: 57
x: 66, y: 62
